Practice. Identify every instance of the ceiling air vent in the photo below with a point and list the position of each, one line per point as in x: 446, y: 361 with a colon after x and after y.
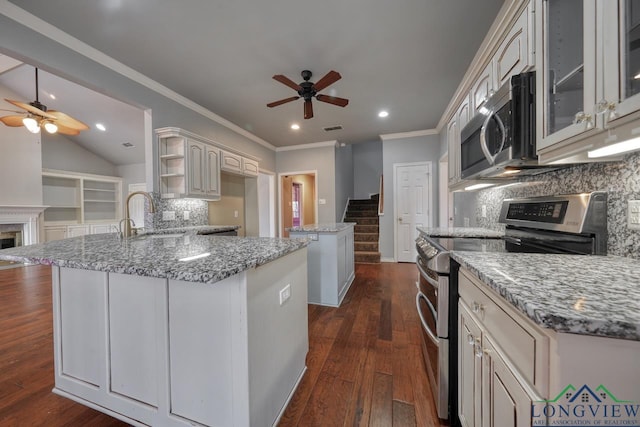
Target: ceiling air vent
x: 330, y: 128
x: 127, y: 144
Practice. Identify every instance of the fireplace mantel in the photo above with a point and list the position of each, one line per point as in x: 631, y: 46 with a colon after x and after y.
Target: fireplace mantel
x: 27, y: 215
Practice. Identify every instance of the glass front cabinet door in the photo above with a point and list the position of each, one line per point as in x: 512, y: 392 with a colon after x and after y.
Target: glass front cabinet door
x: 566, y: 63
x: 621, y: 34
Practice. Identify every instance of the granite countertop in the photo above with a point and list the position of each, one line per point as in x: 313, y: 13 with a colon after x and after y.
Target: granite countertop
x: 475, y: 232
x: 157, y: 255
x: 196, y: 229
x: 580, y: 294
x: 333, y: 227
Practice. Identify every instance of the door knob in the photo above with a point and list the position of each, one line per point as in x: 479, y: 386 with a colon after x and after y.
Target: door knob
x: 400, y: 219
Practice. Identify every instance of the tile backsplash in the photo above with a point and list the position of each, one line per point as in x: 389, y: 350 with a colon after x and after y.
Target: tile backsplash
x: 620, y: 179
x: 198, y: 212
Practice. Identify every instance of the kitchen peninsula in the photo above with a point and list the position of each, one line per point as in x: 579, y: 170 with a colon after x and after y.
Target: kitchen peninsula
x: 177, y: 329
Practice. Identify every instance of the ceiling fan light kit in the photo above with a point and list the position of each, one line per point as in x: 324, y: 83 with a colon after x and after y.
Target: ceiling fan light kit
x: 308, y: 90
x: 36, y: 116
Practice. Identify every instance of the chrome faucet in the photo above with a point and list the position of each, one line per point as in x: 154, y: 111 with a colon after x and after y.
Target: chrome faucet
x: 127, y: 218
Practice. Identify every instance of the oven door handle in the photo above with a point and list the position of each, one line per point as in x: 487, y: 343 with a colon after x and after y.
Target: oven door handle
x: 425, y: 326
x: 483, y: 137
x: 424, y: 274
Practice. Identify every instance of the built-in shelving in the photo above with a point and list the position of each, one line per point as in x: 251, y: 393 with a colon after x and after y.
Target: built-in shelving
x: 76, y: 198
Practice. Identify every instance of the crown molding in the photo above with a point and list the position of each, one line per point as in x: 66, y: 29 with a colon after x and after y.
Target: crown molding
x: 507, y: 16
x: 414, y: 134
x: 34, y: 23
x: 307, y: 146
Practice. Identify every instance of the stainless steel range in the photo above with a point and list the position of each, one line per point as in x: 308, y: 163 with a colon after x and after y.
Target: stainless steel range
x: 572, y: 224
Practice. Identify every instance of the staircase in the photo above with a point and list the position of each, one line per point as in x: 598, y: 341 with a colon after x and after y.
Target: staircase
x: 365, y: 214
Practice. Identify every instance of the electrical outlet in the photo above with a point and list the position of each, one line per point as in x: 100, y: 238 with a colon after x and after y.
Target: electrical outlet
x: 313, y: 236
x: 285, y: 294
x: 168, y: 215
x: 322, y: 201
x: 466, y: 222
x: 185, y: 215
x: 484, y: 211
x: 633, y: 215
x: 235, y: 214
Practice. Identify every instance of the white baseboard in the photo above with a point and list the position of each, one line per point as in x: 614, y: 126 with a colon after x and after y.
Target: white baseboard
x: 387, y: 260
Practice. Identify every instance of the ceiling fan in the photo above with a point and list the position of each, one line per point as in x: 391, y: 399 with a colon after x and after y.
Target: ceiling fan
x: 308, y: 90
x: 36, y: 115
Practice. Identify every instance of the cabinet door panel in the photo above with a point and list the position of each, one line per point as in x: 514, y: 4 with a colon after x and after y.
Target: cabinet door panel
x: 513, y: 54
x: 469, y: 369
x: 230, y: 162
x: 506, y: 403
x: 196, y: 168
x: 453, y: 142
x: 483, y: 87
x: 213, y: 172
x: 249, y: 167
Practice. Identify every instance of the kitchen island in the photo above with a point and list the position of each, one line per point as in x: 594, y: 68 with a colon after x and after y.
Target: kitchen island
x: 177, y: 330
x: 331, y: 260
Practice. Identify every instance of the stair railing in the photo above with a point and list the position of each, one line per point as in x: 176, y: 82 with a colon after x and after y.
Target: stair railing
x: 381, y: 198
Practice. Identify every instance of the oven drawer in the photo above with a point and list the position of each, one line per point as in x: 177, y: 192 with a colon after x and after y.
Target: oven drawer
x: 523, y: 343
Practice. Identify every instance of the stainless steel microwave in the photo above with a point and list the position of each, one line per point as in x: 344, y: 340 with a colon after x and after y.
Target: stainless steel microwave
x: 500, y: 141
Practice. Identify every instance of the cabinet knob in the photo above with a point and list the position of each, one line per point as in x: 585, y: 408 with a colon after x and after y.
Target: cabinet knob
x: 470, y: 339
x: 478, y: 350
x: 582, y: 117
x: 477, y: 307
x: 607, y: 108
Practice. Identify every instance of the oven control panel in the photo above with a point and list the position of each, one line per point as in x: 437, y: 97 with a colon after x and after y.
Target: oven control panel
x: 552, y: 212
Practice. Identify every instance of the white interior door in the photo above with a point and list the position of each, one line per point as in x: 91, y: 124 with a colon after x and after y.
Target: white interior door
x: 413, y: 206
x: 136, y: 204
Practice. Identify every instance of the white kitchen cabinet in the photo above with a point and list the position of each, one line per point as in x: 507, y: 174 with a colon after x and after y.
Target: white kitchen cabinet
x: 77, y: 230
x: 188, y: 166
x: 57, y: 232
x: 230, y: 162
x: 483, y: 88
x: 502, y: 365
x: 454, y: 127
x: 237, y: 164
x: 104, y: 228
x: 516, y: 52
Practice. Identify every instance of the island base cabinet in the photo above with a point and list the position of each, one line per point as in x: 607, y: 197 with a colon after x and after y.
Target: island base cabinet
x: 158, y: 352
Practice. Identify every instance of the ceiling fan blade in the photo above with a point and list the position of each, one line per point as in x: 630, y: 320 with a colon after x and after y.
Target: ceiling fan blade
x: 282, y: 101
x: 13, y: 121
x: 341, y: 102
x: 308, y: 109
x: 62, y: 119
x: 330, y: 78
x: 30, y: 108
x: 287, y: 81
x: 66, y: 131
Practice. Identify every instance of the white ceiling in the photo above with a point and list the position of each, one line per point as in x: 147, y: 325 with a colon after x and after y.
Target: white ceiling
x: 123, y: 122
x: 406, y: 56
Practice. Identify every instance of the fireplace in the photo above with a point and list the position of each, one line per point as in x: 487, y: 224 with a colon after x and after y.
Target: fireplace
x: 10, y: 239
x: 19, y: 225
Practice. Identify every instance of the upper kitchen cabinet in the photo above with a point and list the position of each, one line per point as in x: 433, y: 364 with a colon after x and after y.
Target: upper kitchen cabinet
x: 566, y: 65
x: 590, y: 78
x: 483, y: 88
x: 188, y: 167
x: 237, y: 164
x: 621, y: 53
x: 516, y: 52
x: 455, y: 125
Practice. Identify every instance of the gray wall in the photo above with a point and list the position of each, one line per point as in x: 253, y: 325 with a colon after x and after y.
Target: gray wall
x: 344, y: 178
x: 59, y: 152
x: 406, y: 150
x: 322, y: 160
x: 25, y: 44
x: 20, y: 163
x: 367, y: 168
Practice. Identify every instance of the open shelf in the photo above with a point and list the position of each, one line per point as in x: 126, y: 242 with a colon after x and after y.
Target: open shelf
x: 573, y: 80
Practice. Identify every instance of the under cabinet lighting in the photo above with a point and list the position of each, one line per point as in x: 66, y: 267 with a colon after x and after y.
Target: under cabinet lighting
x: 619, y: 148
x: 637, y: 76
x: 191, y: 258
x: 478, y: 186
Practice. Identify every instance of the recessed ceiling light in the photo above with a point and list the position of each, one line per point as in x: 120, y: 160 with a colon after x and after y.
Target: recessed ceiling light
x: 383, y: 113
x: 295, y: 126
x: 52, y: 96
x: 101, y: 127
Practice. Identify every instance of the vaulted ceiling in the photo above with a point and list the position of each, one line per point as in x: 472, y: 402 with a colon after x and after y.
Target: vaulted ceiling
x: 405, y: 56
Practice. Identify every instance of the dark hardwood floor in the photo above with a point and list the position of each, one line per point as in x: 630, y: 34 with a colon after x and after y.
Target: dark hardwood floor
x: 364, y: 361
